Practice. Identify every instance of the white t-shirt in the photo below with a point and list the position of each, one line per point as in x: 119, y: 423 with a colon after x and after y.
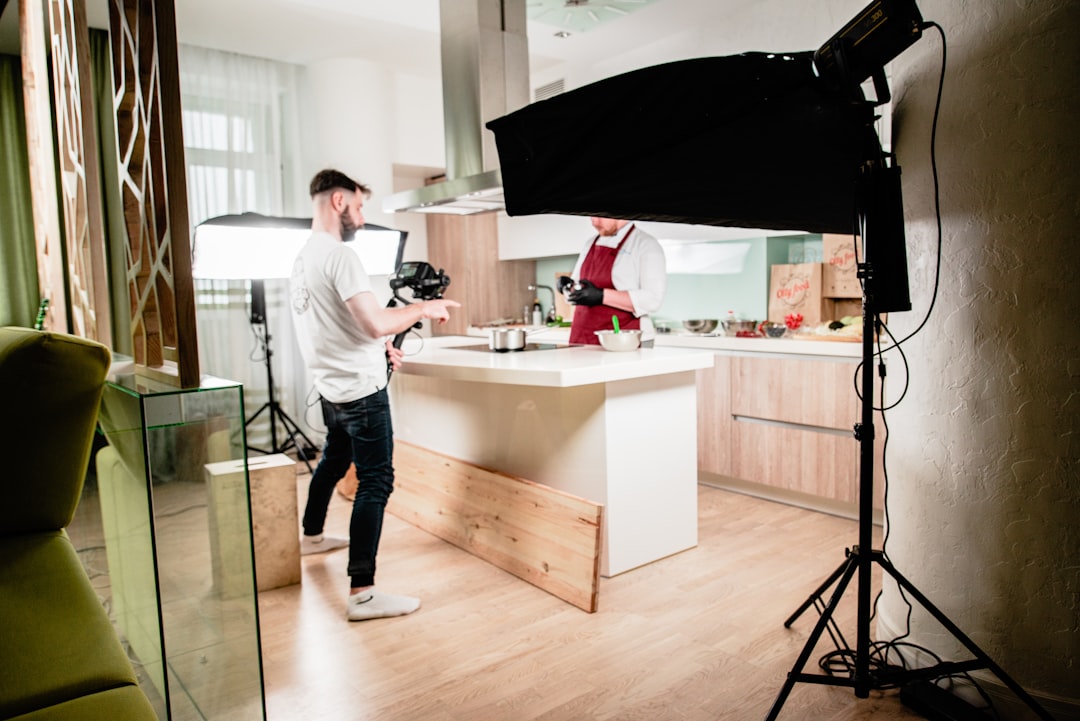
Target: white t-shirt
x: 639, y: 268
x: 346, y: 363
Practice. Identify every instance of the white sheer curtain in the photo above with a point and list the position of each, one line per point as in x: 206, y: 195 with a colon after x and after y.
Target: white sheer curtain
x: 241, y: 144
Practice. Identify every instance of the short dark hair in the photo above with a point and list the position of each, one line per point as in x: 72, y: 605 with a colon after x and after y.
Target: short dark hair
x: 329, y: 179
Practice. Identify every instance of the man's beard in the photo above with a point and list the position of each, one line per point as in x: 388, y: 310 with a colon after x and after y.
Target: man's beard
x: 348, y: 227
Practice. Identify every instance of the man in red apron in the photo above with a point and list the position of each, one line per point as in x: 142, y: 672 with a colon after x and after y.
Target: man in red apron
x: 621, y: 273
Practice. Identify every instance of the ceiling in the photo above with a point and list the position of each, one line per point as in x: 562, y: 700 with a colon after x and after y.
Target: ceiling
x: 405, y: 33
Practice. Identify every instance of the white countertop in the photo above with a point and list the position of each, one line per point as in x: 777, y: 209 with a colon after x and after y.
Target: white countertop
x: 560, y: 367
x: 789, y: 346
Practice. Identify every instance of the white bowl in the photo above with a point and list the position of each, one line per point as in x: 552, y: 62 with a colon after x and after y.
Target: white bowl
x: 623, y: 340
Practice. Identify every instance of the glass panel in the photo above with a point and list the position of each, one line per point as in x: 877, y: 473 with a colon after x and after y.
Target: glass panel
x: 178, y: 544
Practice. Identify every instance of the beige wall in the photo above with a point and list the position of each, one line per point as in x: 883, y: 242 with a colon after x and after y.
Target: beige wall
x: 984, y: 492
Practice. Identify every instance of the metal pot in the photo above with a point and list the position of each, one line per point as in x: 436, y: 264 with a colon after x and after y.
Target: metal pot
x: 502, y: 339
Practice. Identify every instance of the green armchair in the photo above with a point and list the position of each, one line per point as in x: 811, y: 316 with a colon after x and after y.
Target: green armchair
x: 60, y: 657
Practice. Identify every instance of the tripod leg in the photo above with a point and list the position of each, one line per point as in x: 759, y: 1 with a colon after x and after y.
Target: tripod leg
x: 847, y: 572
x: 294, y: 430
x: 257, y: 413
x: 819, y: 592
x: 962, y: 638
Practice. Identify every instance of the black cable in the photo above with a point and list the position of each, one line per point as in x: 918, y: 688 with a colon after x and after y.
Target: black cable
x: 937, y: 185
x: 937, y: 216
x: 259, y: 334
x: 843, y: 661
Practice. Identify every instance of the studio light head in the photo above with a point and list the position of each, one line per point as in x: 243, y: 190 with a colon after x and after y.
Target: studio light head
x: 861, y: 49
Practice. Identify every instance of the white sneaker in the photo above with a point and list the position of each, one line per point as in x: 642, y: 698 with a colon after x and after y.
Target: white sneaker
x: 372, y: 604
x: 310, y: 545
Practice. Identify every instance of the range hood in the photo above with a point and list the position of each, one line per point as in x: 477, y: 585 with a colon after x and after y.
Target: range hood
x: 485, y: 75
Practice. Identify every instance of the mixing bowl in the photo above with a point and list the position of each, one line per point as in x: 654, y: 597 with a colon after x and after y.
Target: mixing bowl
x: 700, y: 326
x: 734, y: 327
x: 774, y: 330
x: 623, y: 340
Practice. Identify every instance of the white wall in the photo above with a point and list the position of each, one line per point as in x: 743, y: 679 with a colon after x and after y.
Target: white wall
x: 984, y: 493
x: 367, y: 120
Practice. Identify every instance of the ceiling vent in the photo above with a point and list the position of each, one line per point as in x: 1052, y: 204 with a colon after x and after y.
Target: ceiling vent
x: 556, y: 87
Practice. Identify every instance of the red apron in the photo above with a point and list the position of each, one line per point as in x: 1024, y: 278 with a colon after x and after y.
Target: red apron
x: 587, y: 319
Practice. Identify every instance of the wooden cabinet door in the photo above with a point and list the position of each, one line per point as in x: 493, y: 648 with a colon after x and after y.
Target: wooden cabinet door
x: 818, y: 393
x: 714, y: 417
x: 786, y: 423
x: 466, y: 247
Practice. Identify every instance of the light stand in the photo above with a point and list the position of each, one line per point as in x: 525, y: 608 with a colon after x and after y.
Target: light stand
x: 789, y: 170
x: 879, y: 199
x: 256, y: 247
x: 306, y: 451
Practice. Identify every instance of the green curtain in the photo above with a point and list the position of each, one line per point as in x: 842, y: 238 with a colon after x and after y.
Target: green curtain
x: 18, y: 259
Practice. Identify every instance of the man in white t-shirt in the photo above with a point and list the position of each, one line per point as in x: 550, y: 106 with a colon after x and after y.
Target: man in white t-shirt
x: 345, y: 336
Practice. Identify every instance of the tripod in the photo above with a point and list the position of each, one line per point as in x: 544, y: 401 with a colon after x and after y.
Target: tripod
x: 292, y: 430
x: 879, y: 204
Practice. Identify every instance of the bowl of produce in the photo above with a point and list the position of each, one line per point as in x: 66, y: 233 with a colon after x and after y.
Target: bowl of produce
x: 741, y: 328
x: 619, y: 340
x: 700, y: 325
x: 773, y: 330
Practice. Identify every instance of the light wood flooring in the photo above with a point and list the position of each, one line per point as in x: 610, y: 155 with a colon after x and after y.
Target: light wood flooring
x: 694, y: 637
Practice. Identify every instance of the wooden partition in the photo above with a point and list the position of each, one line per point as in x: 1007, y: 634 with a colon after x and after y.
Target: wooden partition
x: 146, y: 98
x: 40, y: 151
x: 80, y: 192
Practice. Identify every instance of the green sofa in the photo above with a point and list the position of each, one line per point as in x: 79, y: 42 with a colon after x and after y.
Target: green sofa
x: 60, y: 657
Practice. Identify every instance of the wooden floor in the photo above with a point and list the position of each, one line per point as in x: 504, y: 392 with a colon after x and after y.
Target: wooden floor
x: 694, y: 637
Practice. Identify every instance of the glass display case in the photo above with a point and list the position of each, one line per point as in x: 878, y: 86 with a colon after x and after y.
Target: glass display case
x: 190, y: 620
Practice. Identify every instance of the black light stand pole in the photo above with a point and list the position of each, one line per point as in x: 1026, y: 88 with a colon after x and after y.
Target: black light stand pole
x: 276, y: 413
x: 878, y: 186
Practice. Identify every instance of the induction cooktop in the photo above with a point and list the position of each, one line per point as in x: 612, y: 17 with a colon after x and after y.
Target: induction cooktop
x: 528, y: 346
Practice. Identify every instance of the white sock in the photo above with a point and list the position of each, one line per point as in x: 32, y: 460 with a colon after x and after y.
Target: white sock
x: 373, y: 604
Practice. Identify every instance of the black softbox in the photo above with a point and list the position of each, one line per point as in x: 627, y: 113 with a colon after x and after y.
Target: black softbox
x: 752, y: 141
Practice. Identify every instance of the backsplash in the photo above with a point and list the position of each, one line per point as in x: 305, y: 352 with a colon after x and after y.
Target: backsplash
x: 742, y: 287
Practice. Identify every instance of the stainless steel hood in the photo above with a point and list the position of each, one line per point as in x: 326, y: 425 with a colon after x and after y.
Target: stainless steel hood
x: 485, y: 75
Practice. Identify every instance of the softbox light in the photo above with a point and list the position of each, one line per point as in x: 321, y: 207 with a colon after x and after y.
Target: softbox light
x: 754, y: 140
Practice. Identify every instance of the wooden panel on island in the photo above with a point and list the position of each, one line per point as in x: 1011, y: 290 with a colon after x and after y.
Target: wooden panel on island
x: 544, y: 536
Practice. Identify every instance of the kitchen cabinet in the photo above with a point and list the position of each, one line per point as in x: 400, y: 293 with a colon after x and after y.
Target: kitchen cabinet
x: 466, y: 248
x: 784, y: 425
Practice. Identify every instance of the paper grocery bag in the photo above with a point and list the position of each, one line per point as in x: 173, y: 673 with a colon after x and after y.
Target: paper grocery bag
x: 839, y: 277
x: 796, y: 288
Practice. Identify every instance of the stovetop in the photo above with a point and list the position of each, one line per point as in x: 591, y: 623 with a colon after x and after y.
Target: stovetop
x: 528, y: 346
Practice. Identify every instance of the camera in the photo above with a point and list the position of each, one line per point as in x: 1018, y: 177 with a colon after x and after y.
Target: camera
x: 425, y: 282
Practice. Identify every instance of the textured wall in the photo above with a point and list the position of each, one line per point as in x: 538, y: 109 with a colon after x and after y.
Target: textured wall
x: 984, y: 497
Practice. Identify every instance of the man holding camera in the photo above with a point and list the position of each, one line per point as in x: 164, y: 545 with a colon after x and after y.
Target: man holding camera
x: 345, y: 336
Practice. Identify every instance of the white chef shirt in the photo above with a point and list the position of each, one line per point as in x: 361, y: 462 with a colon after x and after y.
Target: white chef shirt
x: 640, y: 269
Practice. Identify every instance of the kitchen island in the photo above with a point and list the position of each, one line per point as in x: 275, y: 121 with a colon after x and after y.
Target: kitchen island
x: 615, y: 428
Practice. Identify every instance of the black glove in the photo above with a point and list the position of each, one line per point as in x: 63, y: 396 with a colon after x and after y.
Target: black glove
x: 589, y: 294
x: 565, y: 282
